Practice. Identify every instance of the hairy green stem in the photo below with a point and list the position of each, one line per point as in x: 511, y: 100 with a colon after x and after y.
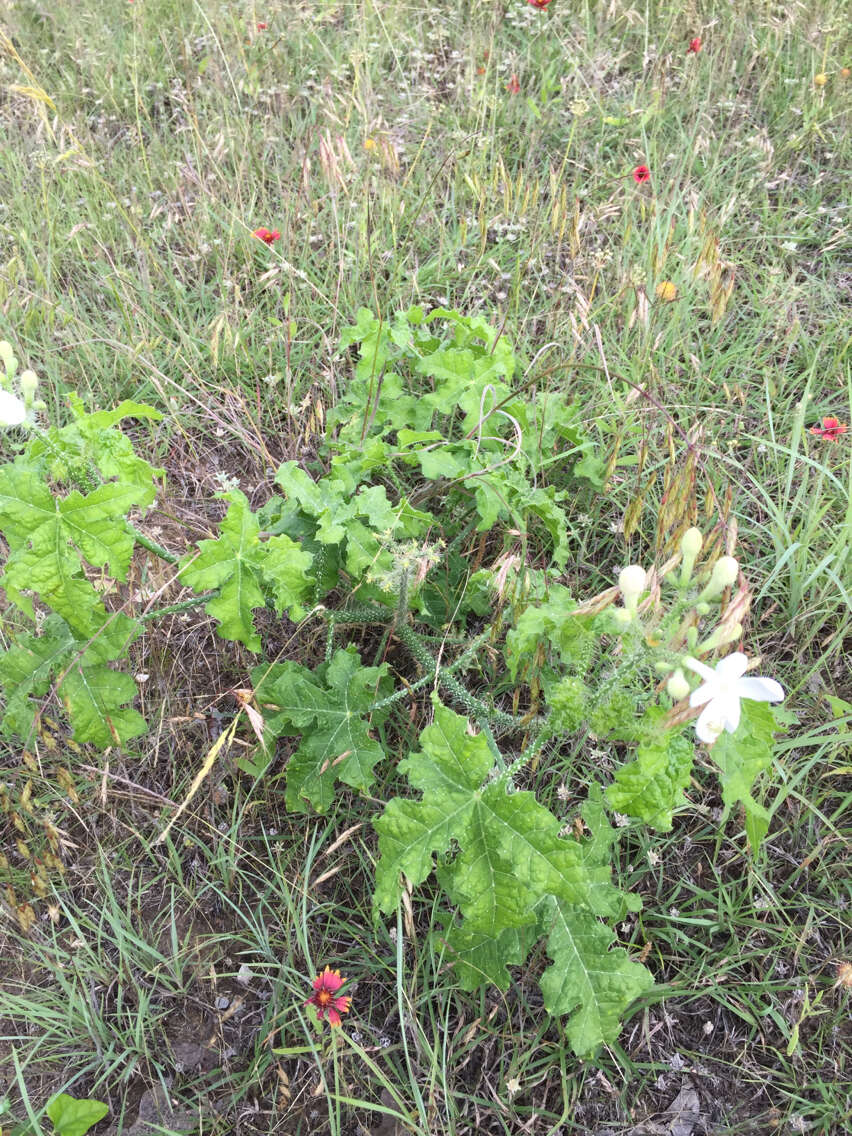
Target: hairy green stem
x: 475, y: 707
x: 398, y: 695
x: 152, y: 546
x: 184, y: 605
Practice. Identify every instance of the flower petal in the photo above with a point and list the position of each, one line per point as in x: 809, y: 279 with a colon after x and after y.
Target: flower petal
x: 703, y: 694
x: 760, y: 689
x: 709, y: 724
x: 729, y: 708
x: 733, y: 665
x: 707, y: 673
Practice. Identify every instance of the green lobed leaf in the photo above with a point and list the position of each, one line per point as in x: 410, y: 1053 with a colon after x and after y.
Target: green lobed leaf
x: 93, y: 697
x: 73, y: 1117
x: 237, y: 562
x: 651, y: 786
x: 26, y: 672
x: 551, y: 628
x: 92, y: 693
x: 48, y: 536
x: 329, y: 709
x: 450, y: 768
x: 26, y: 504
x: 588, y: 980
x: 741, y: 758
x: 511, y: 859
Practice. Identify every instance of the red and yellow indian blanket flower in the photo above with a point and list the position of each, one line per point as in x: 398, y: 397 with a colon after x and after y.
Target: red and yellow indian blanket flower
x: 830, y: 430
x: 266, y: 235
x: 325, y: 996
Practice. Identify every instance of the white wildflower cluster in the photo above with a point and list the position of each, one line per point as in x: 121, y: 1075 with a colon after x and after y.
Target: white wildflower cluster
x: 725, y: 685
x: 16, y: 409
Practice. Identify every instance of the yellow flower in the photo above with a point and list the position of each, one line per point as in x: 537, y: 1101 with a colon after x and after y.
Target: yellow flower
x: 821, y: 79
x: 666, y: 291
x: 370, y: 144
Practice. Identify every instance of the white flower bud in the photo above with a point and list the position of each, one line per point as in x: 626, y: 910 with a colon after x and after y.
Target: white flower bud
x: 678, y: 685
x: 691, y: 542
x: 724, y: 634
x: 631, y: 581
x: 7, y: 356
x: 725, y: 572
x: 28, y: 383
x: 690, y: 547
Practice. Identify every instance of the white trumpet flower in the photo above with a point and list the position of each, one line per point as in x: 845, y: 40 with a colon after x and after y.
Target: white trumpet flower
x: 721, y: 691
x: 12, y: 410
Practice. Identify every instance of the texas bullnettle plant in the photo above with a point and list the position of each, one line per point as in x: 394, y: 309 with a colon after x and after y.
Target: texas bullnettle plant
x: 437, y: 521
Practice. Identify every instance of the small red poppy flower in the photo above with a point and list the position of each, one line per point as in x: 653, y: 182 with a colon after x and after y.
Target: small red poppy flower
x: 694, y: 46
x: 261, y: 26
x: 641, y: 174
x: 540, y: 4
x: 325, y: 996
x: 513, y: 86
x: 266, y: 236
x: 830, y: 430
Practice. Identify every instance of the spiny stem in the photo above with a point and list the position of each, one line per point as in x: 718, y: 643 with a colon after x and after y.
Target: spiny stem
x: 152, y: 546
x: 398, y: 695
x: 184, y: 605
x: 500, y: 721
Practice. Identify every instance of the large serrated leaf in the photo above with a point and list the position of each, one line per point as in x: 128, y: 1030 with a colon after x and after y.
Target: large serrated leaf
x: 47, y: 537
x: 741, y: 758
x: 588, y: 980
x: 512, y: 859
x: 328, y: 708
x: 94, y: 698
x: 93, y: 694
x: 651, y: 786
x: 237, y: 562
x: 448, y: 772
x: 25, y: 504
x: 94, y: 524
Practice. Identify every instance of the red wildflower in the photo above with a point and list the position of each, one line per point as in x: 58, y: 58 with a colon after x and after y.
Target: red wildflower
x: 325, y: 996
x: 694, y: 46
x: 266, y: 236
x: 513, y: 86
x: 540, y: 4
x: 261, y: 26
x: 640, y: 174
x: 830, y: 430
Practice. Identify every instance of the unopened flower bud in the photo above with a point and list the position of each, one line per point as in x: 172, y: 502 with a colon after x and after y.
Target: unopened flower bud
x: 725, y: 571
x: 7, y: 357
x: 702, y: 608
x: 724, y: 634
x: 663, y: 668
x: 28, y: 383
x: 622, y: 616
x: 690, y: 547
x: 678, y: 685
x: 631, y: 581
x: 691, y: 637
